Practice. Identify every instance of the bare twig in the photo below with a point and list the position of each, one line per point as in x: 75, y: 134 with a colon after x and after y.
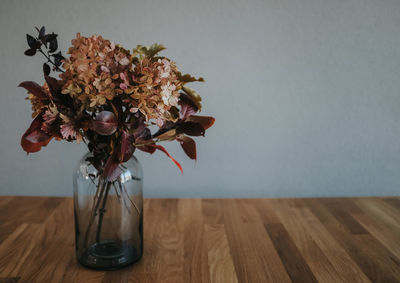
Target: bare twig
x: 127, y: 195
x: 116, y: 192
x: 96, y: 203
x: 50, y: 61
x: 102, y: 210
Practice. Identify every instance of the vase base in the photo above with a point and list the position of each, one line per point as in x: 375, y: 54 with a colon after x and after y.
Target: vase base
x: 108, y: 255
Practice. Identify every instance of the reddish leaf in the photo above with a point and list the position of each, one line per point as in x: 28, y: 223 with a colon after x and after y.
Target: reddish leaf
x: 147, y: 144
x: 188, y: 107
x: 127, y: 148
x: 111, y: 170
x: 46, y: 69
x: 58, y: 58
x: 31, y: 40
x: 42, y: 33
x: 205, y: 121
x: 30, y: 52
x: 116, y: 105
x: 53, y: 85
x: 34, y: 88
x: 34, y: 138
x: 151, y: 148
x: 147, y: 148
x: 159, y: 147
x: 192, y: 129
x: 105, y: 123
x: 167, y: 136
x: 53, y: 45
x: 192, y: 95
x: 168, y: 125
x: 142, y: 131
x: 122, y: 153
x: 188, y: 145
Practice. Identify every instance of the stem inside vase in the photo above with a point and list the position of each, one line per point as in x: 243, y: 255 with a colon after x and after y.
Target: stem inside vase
x: 102, y: 210
x: 100, y: 198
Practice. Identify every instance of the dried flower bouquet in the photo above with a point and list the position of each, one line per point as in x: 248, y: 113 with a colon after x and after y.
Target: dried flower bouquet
x: 109, y: 98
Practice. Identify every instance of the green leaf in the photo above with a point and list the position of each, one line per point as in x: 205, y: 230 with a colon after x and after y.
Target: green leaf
x: 186, y: 78
x: 155, y: 49
x: 148, y: 51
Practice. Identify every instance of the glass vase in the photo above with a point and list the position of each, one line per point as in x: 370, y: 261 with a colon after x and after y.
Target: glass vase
x: 108, y: 215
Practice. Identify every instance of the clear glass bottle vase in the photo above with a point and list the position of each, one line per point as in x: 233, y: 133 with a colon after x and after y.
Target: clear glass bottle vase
x: 108, y: 216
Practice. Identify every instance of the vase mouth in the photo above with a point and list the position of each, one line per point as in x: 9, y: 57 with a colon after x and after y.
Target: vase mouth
x: 126, y: 171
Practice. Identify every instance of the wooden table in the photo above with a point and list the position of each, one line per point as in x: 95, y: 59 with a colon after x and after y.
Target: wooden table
x: 215, y: 240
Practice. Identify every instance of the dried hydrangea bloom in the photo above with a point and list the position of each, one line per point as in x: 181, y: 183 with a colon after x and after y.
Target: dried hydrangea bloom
x: 92, y: 70
x: 38, y: 105
x: 98, y: 70
x: 156, y: 89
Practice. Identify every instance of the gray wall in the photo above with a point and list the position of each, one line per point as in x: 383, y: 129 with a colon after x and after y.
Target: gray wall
x: 306, y: 94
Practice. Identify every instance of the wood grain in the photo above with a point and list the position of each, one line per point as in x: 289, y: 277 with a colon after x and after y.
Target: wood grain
x: 215, y: 240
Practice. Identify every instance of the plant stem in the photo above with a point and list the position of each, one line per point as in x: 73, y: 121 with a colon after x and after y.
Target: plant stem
x: 96, y: 203
x: 127, y: 195
x: 48, y: 58
x: 99, y: 205
x: 144, y: 144
x: 102, y: 210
